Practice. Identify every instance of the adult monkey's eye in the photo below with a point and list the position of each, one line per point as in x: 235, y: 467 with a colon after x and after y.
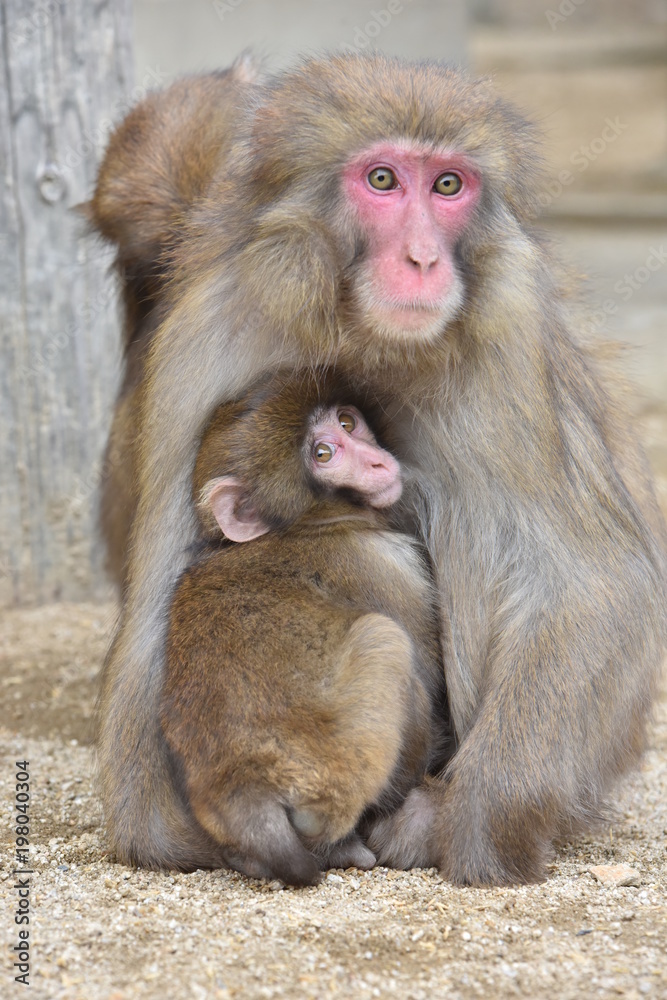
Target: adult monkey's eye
x: 382, y: 179
x: 323, y: 453
x: 448, y: 183
x: 347, y: 421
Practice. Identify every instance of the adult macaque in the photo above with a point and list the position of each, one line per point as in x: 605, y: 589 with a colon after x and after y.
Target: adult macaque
x: 303, y: 683
x: 377, y: 215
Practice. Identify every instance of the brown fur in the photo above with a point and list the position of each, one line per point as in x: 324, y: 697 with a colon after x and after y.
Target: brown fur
x: 158, y: 166
x: 277, y: 650
x: 531, y: 492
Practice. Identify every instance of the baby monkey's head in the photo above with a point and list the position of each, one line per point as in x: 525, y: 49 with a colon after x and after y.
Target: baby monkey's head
x: 294, y: 443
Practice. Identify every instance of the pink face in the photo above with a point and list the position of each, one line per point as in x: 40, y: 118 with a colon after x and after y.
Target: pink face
x: 412, y: 205
x: 344, y: 454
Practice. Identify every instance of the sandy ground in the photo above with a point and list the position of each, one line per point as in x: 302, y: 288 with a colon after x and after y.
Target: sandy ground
x: 100, y: 930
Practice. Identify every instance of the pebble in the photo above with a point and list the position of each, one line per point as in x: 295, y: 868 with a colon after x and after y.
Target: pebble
x: 616, y: 875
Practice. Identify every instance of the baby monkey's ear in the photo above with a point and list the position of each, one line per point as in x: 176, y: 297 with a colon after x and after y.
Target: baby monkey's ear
x: 224, y: 499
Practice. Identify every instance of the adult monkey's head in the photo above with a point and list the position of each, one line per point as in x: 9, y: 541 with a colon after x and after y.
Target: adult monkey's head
x: 374, y: 186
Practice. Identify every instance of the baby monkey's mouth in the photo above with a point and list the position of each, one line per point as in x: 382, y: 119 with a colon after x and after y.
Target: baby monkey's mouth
x: 388, y: 496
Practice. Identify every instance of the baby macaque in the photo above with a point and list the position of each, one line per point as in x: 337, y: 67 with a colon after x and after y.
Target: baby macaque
x: 304, y: 686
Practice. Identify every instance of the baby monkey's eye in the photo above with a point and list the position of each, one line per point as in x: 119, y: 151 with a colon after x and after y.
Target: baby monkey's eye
x: 323, y: 453
x: 347, y: 421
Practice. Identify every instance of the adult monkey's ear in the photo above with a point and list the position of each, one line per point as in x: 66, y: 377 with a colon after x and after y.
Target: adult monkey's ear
x: 223, y: 498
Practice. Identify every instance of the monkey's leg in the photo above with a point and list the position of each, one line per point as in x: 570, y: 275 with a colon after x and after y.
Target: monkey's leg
x: 388, y: 755
x: 305, y: 805
x: 362, y: 752
x: 561, y: 717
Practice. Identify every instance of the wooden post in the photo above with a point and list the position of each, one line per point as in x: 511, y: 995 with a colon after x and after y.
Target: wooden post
x: 66, y: 75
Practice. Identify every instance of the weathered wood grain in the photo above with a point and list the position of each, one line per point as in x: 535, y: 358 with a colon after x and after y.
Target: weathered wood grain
x: 66, y: 70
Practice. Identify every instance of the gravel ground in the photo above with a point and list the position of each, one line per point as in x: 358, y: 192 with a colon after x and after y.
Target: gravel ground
x: 100, y: 930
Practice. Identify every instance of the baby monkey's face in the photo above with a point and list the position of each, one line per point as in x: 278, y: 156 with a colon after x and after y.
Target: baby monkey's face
x: 338, y: 452
x: 342, y: 453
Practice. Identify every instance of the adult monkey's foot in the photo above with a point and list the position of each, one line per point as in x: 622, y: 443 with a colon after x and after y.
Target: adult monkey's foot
x: 350, y: 852
x: 403, y: 839
x: 431, y: 830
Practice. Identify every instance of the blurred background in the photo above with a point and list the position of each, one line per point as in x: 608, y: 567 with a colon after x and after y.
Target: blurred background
x: 593, y: 73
